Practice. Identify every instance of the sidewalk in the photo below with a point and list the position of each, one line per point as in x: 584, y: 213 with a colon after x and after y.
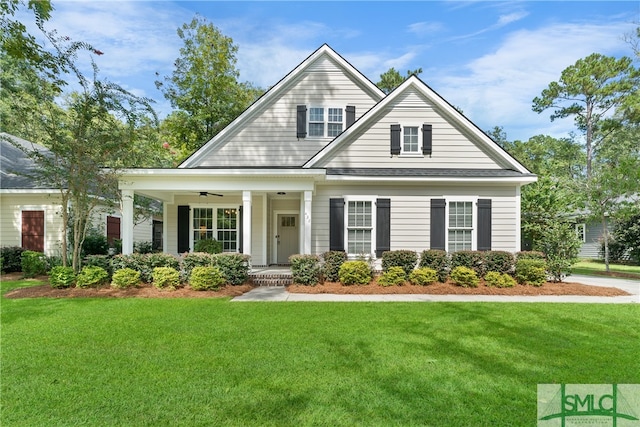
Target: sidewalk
x: 280, y: 294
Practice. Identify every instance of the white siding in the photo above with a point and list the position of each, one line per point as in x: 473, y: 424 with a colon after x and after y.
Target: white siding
x: 269, y: 137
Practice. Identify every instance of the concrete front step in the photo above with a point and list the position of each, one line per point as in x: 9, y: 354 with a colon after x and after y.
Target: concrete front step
x: 271, y: 279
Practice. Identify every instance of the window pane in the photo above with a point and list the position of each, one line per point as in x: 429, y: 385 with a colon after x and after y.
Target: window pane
x: 411, y: 139
x: 334, y: 129
x: 316, y: 114
x: 335, y: 115
x: 316, y: 129
x: 459, y: 240
x: 359, y: 241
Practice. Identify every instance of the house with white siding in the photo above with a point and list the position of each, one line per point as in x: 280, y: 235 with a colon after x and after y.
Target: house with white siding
x: 326, y: 161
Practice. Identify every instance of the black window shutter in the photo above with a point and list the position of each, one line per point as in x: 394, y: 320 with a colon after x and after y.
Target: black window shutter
x: 301, y: 121
x: 351, y: 115
x: 438, y: 224
x: 395, y: 139
x: 183, y: 229
x: 336, y: 224
x: 383, y: 226
x: 426, y: 139
x: 484, y: 224
x: 240, y: 230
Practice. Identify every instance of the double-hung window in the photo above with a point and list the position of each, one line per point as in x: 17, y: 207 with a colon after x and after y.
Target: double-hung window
x: 410, y: 144
x: 581, y: 232
x: 460, y: 226
x: 325, y: 122
x: 334, y: 125
x: 359, y: 227
x: 316, y: 122
x: 217, y: 223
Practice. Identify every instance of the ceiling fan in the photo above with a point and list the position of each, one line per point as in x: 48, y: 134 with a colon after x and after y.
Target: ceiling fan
x: 206, y: 193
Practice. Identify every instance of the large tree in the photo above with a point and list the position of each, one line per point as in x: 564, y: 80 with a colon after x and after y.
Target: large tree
x: 391, y: 79
x: 590, y: 91
x: 203, y: 87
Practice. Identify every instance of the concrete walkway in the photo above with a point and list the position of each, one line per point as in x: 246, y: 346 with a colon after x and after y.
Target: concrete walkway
x: 631, y: 286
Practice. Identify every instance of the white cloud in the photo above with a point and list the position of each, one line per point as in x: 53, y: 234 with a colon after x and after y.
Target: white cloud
x: 425, y: 28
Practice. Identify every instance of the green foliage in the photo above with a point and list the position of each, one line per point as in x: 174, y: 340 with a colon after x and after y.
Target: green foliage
x: 159, y: 259
x: 355, y: 273
x: 95, y: 244
x: 530, y: 255
x: 499, y: 280
x: 332, y: 262
x: 61, y: 277
x: 92, y: 276
x: 125, y: 278
x: 617, y: 250
x: 403, y: 258
x: 206, y: 279
x: 391, y: 79
x: 465, y: 277
x: 234, y: 267
x: 306, y: 269
x: 11, y: 257
x: 438, y: 260
x: 210, y: 246
x: 627, y: 232
x: 561, y: 246
x: 531, y: 272
x: 143, y: 247
x: 423, y: 276
x: 470, y: 259
x: 135, y: 262
x: 33, y: 263
x: 102, y: 261
x: 166, y: 277
x: 500, y: 261
x: 393, y: 276
x: 194, y: 259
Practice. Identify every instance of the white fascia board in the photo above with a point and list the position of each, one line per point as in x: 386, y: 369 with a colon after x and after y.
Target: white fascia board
x: 28, y: 191
x: 455, y: 180
x: 271, y: 172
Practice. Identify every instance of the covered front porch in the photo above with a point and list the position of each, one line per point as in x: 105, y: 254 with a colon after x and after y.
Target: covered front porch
x: 264, y: 214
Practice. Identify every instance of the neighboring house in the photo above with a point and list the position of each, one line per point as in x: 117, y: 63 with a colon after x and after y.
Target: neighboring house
x: 30, y: 213
x: 325, y: 161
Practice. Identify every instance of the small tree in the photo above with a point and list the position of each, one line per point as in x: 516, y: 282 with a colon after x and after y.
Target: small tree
x: 561, y: 246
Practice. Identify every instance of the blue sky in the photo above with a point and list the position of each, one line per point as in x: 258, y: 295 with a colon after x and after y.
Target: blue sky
x: 488, y: 58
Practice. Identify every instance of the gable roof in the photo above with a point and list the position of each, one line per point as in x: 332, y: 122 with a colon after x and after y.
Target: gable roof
x: 276, y: 91
x: 414, y: 83
x: 15, y: 164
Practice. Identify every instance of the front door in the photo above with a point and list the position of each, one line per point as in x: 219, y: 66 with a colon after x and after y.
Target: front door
x: 287, y: 237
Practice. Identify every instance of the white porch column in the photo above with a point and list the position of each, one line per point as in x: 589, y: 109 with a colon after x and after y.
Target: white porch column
x: 127, y: 222
x: 306, y: 238
x: 246, y: 222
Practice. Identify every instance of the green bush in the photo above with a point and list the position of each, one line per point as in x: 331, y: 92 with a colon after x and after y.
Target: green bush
x: 423, y: 276
x: 332, y: 262
x: 61, y: 277
x: 234, y: 267
x: 159, y: 259
x: 102, y: 261
x: 11, y: 257
x: 125, y: 278
x: 530, y: 255
x: 135, y: 262
x: 499, y: 280
x: 561, y: 245
x: 470, y: 259
x: 465, y: 277
x: 531, y: 271
x: 206, y: 279
x: 95, y: 244
x: 210, y: 246
x: 166, y: 277
x: 437, y: 260
x: 500, y: 261
x: 33, y: 263
x: 407, y: 260
x: 91, y: 276
x: 355, y: 273
x: 143, y: 247
x: 192, y: 260
x: 305, y: 269
x: 393, y: 276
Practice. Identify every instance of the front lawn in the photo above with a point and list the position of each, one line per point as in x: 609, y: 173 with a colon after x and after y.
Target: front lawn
x: 139, y: 361
x: 591, y: 267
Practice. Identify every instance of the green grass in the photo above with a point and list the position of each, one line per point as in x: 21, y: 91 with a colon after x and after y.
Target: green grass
x: 590, y: 267
x: 184, y: 362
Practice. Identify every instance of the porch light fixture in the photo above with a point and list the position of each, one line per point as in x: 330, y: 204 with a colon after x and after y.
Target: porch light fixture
x: 281, y: 193
x: 203, y: 194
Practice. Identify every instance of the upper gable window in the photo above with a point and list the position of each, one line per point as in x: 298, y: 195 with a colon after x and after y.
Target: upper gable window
x: 410, y: 140
x: 325, y: 122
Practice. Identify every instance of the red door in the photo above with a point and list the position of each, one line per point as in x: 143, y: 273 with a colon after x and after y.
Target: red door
x: 33, y: 230
x: 113, y: 229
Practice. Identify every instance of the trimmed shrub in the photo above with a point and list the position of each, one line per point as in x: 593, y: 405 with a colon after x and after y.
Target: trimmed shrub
x: 206, y: 279
x: 500, y: 261
x: 437, y: 260
x: 160, y: 259
x: 166, y: 277
x: 530, y: 255
x: 210, y: 246
x: 405, y: 259
x: 192, y: 260
x: 465, y: 277
x: 531, y: 272
x: 234, y: 267
x: 143, y: 247
x: 332, y: 262
x: 95, y: 244
x: 91, y: 276
x: 135, y: 262
x: 423, y: 276
x: 393, y: 276
x: 61, y: 277
x: 103, y: 261
x: 355, y: 273
x: 305, y: 269
x: 125, y: 278
x: 11, y: 259
x: 470, y: 259
x: 499, y: 280
x: 33, y: 263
